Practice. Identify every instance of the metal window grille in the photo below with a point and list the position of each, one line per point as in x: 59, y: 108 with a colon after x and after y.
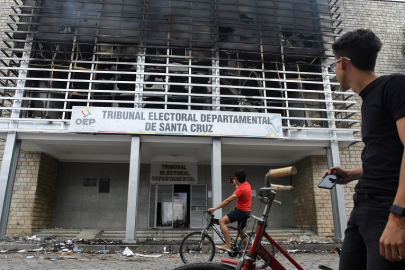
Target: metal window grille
x: 225, y: 55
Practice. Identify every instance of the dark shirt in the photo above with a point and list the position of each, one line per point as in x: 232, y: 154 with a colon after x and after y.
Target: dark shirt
x: 383, y: 104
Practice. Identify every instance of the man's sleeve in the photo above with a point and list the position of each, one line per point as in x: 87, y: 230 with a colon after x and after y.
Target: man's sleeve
x: 238, y: 192
x: 395, y: 96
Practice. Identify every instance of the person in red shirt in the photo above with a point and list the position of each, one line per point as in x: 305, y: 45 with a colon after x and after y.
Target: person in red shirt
x: 243, y: 197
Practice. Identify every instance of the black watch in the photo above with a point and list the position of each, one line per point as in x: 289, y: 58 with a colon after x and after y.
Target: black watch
x: 398, y: 210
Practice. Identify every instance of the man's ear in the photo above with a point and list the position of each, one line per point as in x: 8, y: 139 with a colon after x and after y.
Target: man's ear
x: 344, y: 63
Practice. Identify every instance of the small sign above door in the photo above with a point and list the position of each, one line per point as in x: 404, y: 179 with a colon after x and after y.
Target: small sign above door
x: 173, y: 173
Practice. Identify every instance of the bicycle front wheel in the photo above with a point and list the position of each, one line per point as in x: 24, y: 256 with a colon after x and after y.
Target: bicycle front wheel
x: 205, y: 266
x: 197, y: 247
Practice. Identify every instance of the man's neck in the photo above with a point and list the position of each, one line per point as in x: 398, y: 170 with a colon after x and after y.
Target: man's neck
x: 360, y: 79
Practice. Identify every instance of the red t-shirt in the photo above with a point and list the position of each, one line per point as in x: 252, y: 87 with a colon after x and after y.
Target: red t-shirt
x: 244, y: 193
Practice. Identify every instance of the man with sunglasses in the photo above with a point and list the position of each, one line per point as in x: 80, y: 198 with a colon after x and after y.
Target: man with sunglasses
x: 375, y: 234
x: 243, y: 197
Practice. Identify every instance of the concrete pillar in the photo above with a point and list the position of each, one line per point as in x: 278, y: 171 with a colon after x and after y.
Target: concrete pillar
x: 133, y: 189
x: 7, y: 176
x: 216, y: 178
x: 333, y: 158
x: 337, y: 194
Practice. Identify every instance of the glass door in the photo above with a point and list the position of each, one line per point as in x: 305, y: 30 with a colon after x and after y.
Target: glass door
x: 161, y: 206
x: 198, y: 206
x: 177, y: 206
x: 164, y: 213
x: 181, y: 208
x: 152, y: 206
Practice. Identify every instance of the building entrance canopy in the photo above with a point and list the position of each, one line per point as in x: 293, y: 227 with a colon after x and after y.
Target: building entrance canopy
x: 155, y: 148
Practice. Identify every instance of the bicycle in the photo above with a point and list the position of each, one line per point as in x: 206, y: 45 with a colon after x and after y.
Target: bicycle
x: 249, y: 259
x: 200, y: 247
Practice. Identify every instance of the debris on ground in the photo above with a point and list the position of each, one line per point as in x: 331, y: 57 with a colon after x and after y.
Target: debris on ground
x: 56, y: 249
x: 304, y: 239
x: 127, y: 252
x: 148, y: 256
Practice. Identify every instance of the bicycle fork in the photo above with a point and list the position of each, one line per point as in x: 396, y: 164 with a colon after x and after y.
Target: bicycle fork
x: 248, y: 261
x: 203, y: 234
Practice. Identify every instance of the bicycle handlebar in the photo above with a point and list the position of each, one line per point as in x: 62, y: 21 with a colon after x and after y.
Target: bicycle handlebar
x: 279, y: 173
x: 283, y: 172
x: 210, y: 213
x: 281, y: 187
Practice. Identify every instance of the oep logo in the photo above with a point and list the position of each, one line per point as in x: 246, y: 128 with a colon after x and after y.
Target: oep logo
x: 85, y: 121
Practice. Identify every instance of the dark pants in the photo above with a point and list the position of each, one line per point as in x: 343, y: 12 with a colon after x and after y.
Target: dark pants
x: 240, y: 216
x: 361, y: 246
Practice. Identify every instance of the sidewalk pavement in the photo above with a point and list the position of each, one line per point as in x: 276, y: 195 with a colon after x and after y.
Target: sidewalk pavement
x: 19, y: 256
x: 52, y: 261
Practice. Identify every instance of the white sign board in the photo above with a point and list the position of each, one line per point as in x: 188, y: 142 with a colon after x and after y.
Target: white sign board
x: 175, y: 122
x: 179, y: 173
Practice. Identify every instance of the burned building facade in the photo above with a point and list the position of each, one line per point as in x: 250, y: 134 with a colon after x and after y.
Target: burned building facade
x: 133, y: 112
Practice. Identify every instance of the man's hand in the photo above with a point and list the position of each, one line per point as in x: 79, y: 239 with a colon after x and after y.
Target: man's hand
x: 392, y: 241
x: 346, y: 176
x: 211, y: 210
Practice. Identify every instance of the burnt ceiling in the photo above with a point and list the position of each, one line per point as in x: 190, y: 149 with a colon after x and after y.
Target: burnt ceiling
x: 299, y: 26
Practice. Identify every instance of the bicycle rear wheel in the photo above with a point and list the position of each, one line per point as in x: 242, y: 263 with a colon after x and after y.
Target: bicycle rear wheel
x: 205, y: 266
x: 197, y: 247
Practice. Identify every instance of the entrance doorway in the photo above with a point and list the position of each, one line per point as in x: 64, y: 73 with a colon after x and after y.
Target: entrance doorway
x: 172, y: 206
x: 169, y: 206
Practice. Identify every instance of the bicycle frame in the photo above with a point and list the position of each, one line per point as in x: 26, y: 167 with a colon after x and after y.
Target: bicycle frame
x: 247, y: 261
x: 214, y: 221
x: 258, y: 250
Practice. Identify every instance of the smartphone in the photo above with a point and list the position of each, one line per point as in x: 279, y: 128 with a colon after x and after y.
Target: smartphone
x: 329, y: 181
x: 231, y: 179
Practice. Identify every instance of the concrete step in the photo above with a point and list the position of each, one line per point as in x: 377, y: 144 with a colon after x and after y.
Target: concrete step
x: 280, y: 234
x: 57, y: 233
x: 178, y: 235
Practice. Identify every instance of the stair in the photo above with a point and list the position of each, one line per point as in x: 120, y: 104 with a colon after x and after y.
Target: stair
x: 285, y: 234
x: 56, y: 233
x: 152, y: 235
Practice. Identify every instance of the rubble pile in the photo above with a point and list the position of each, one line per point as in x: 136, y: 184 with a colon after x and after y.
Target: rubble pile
x: 67, y: 248
x: 303, y: 239
x: 63, y: 247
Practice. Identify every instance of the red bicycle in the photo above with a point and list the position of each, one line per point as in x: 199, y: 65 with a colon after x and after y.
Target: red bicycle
x: 255, y: 255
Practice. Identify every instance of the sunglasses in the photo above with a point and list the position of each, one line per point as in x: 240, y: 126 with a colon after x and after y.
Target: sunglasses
x: 332, y: 67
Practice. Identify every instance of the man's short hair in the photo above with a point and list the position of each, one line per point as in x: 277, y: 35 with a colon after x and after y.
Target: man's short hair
x: 361, y: 46
x: 241, y: 175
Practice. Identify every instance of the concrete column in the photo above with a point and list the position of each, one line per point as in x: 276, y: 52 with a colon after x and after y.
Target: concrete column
x: 12, y: 147
x: 7, y: 176
x: 133, y: 189
x: 216, y: 178
x: 337, y: 194
x: 333, y: 158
